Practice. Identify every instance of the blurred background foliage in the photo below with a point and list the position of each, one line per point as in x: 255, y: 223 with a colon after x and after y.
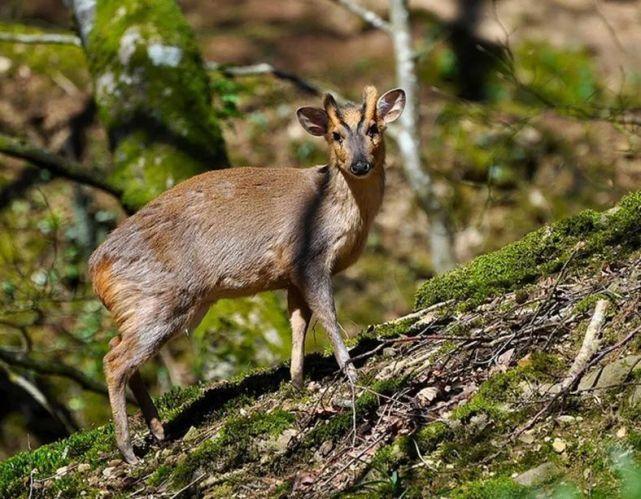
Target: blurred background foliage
x: 517, y: 106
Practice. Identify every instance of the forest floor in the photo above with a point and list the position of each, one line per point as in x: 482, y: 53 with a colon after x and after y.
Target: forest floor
x: 442, y: 391
x: 482, y: 394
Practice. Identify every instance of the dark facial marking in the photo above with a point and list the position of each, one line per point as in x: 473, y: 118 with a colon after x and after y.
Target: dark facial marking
x: 362, y: 119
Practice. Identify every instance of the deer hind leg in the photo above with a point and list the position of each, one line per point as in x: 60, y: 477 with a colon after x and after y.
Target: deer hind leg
x: 299, y: 314
x: 119, y: 368
x: 141, y: 338
x: 121, y: 364
x: 146, y: 404
x: 137, y: 344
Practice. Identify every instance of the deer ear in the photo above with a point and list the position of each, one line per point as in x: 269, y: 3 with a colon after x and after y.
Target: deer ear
x: 313, y: 120
x: 390, y: 105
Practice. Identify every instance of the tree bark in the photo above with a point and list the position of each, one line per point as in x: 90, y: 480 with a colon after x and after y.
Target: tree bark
x: 153, y: 94
x: 409, y: 141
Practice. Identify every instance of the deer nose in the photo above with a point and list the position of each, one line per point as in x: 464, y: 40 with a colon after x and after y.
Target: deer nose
x: 360, y: 168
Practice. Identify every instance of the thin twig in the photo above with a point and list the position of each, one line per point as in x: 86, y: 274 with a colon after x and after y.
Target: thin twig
x: 36, y: 393
x: 41, y: 38
x: 193, y: 482
x: 356, y: 458
x: 31, y: 475
x: 53, y: 369
x: 616, y: 346
x: 353, y: 394
x: 264, y: 68
x: 370, y: 17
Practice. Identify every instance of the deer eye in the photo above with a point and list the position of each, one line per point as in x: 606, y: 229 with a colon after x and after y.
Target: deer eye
x: 373, y: 130
x: 337, y: 137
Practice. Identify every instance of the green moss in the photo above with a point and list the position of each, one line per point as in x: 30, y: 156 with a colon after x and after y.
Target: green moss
x: 284, y: 489
x: 545, y: 364
x: 174, y: 401
x: 493, y: 394
x: 88, y: 446
x: 85, y: 446
x: 493, y: 488
x: 145, y: 168
x: 390, y: 329
x: 389, y: 457
x: 586, y: 304
x: 70, y: 486
x: 231, y: 446
x: 428, y: 437
x: 223, y: 491
x: 161, y: 474
x: 153, y: 95
x: 634, y: 438
x: 542, y: 252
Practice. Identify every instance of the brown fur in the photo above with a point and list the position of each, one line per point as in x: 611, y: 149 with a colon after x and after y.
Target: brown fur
x: 234, y: 233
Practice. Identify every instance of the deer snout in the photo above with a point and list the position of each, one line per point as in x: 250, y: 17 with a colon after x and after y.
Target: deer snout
x: 360, y: 167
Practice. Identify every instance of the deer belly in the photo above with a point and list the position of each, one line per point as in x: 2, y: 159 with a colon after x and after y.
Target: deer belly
x: 248, y: 272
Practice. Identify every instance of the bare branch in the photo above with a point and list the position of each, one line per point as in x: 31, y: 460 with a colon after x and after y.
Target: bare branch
x: 370, y: 17
x: 263, y: 68
x: 38, y: 396
x: 589, y: 347
x: 57, y: 165
x: 409, y: 143
x: 580, y: 365
x: 41, y: 38
x: 46, y: 367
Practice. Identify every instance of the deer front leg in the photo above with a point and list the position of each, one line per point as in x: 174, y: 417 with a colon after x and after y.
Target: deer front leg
x: 319, y: 295
x: 299, y: 315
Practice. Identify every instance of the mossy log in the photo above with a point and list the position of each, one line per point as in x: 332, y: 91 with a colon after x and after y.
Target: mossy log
x: 153, y: 94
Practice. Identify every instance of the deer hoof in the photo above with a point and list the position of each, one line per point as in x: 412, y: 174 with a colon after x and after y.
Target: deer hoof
x: 157, y: 429
x: 297, y: 381
x: 129, y: 456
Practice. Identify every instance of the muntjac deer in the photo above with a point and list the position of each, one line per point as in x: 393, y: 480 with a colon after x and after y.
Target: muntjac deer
x: 237, y: 232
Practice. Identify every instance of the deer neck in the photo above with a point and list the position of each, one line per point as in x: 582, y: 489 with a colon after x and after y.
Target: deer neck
x: 359, y: 199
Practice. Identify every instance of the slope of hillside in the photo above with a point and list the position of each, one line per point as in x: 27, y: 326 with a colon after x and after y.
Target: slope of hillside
x: 472, y: 395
